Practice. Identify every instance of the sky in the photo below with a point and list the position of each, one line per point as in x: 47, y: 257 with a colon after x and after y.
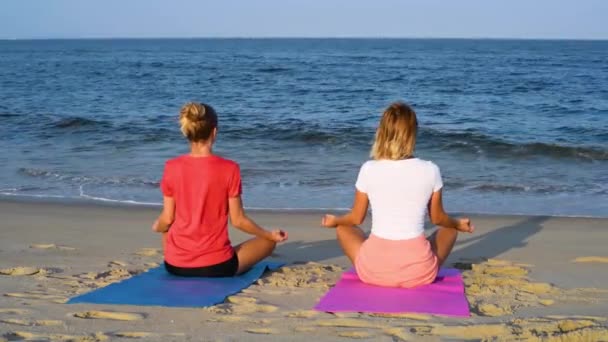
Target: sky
x: 530, y: 19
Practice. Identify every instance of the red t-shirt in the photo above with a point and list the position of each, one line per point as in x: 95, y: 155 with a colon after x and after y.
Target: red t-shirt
x: 201, y: 187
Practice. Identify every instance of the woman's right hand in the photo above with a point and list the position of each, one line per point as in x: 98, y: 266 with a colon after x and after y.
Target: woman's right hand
x: 155, y: 226
x: 329, y: 221
x: 278, y: 235
x: 465, y: 225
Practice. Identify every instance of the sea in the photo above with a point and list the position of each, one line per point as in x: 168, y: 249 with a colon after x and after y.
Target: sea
x: 516, y: 126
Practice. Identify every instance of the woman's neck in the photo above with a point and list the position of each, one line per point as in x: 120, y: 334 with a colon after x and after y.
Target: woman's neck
x: 201, y: 149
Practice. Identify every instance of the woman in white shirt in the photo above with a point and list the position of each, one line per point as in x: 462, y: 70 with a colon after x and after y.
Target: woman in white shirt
x: 400, y: 189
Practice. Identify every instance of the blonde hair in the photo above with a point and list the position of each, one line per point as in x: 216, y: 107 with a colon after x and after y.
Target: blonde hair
x: 197, y: 121
x: 396, y: 134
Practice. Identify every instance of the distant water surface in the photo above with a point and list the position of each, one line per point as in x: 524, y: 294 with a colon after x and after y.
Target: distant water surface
x: 515, y: 126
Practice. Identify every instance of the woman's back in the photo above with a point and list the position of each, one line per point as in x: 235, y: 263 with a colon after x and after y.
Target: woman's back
x: 399, y: 192
x: 200, y: 190
x: 400, y: 189
x: 201, y: 187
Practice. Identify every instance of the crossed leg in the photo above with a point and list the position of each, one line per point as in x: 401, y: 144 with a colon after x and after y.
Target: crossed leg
x: 350, y: 238
x: 249, y: 252
x: 442, y: 241
x: 253, y: 251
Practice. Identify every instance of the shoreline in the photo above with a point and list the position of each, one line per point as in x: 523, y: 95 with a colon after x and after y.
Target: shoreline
x: 87, y: 202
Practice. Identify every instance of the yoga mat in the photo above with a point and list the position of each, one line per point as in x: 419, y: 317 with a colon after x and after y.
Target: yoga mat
x: 443, y: 297
x: 158, y: 288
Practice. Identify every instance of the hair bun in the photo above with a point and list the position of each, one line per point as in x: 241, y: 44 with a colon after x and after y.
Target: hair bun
x: 197, y: 121
x: 194, y: 111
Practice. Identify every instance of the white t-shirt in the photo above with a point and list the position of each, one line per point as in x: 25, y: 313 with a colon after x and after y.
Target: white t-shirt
x: 399, y: 192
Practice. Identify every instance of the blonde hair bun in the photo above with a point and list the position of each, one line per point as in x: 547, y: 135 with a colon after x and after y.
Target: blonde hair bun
x: 197, y: 121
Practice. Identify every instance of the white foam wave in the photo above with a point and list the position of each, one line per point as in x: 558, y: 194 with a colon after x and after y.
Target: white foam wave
x: 111, y: 200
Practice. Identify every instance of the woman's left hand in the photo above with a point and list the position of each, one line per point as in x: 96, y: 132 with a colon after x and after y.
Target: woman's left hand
x: 278, y: 235
x: 329, y: 221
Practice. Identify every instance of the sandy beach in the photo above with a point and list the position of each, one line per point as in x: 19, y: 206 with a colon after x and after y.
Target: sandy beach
x: 527, y: 278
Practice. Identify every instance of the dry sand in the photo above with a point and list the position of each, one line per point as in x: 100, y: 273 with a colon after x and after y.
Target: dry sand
x: 527, y: 278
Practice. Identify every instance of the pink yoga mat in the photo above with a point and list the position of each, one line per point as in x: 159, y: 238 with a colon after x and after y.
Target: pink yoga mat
x: 443, y: 297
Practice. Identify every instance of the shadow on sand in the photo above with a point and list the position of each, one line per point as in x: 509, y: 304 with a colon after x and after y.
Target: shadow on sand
x: 469, y: 247
x: 497, y: 241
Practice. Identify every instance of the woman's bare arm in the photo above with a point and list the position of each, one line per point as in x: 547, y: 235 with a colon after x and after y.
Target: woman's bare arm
x: 166, y: 217
x: 356, y: 216
x: 439, y: 217
x: 241, y: 221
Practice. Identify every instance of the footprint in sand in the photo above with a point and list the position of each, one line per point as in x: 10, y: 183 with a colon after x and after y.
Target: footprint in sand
x: 493, y: 310
x: 117, y: 316
x: 572, y: 329
x: 28, y: 336
x: 265, y: 331
x: 571, y: 325
x: 238, y: 319
x: 347, y: 323
x: 241, y: 305
x: 101, y: 279
x: 499, y: 287
x: 51, y: 246
x: 412, y: 316
x: 472, y: 331
x: 242, y: 309
x: 594, y: 259
x: 310, y: 275
x: 399, y: 334
x: 31, y: 323
x: 117, y: 263
x: 32, y: 295
x: 355, y: 334
x: 148, y: 252
x: 546, y: 302
x: 133, y: 334
x: 578, y: 317
x: 13, y: 311
x: 305, y: 329
x: 241, y: 300
x: 20, y: 271
x: 302, y: 314
x: 228, y: 319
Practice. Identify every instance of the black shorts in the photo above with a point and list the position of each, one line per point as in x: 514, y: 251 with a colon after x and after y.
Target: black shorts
x: 227, y: 268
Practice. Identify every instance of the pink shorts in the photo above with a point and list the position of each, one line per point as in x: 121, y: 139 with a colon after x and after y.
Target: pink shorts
x: 396, y: 263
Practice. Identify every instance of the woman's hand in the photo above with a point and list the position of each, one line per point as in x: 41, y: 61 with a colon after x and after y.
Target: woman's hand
x: 329, y: 221
x: 155, y: 226
x: 464, y: 225
x: 278, y: 235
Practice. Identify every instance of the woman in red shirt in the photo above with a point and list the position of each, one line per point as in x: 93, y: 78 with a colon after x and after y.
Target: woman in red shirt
x: 200, y: 191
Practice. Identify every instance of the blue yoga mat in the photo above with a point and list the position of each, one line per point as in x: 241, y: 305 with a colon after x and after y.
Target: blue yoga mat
x: 156, y: 287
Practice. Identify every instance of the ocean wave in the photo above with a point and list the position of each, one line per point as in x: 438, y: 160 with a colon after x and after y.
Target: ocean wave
x: 594, y: 132
x: 149, y: 130
x: 511, y: 188
x: 111, y: 200
x: 481, y: 143
x: 429, y: 138
x: 78, y: 122
x: 86, y: 179
x: 272, y: 69
x: 355, y: 133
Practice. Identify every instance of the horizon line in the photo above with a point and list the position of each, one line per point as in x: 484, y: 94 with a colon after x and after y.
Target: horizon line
x: 301, y: 38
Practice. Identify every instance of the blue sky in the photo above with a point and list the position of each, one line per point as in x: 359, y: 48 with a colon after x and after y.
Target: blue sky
x: 578, y: 19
